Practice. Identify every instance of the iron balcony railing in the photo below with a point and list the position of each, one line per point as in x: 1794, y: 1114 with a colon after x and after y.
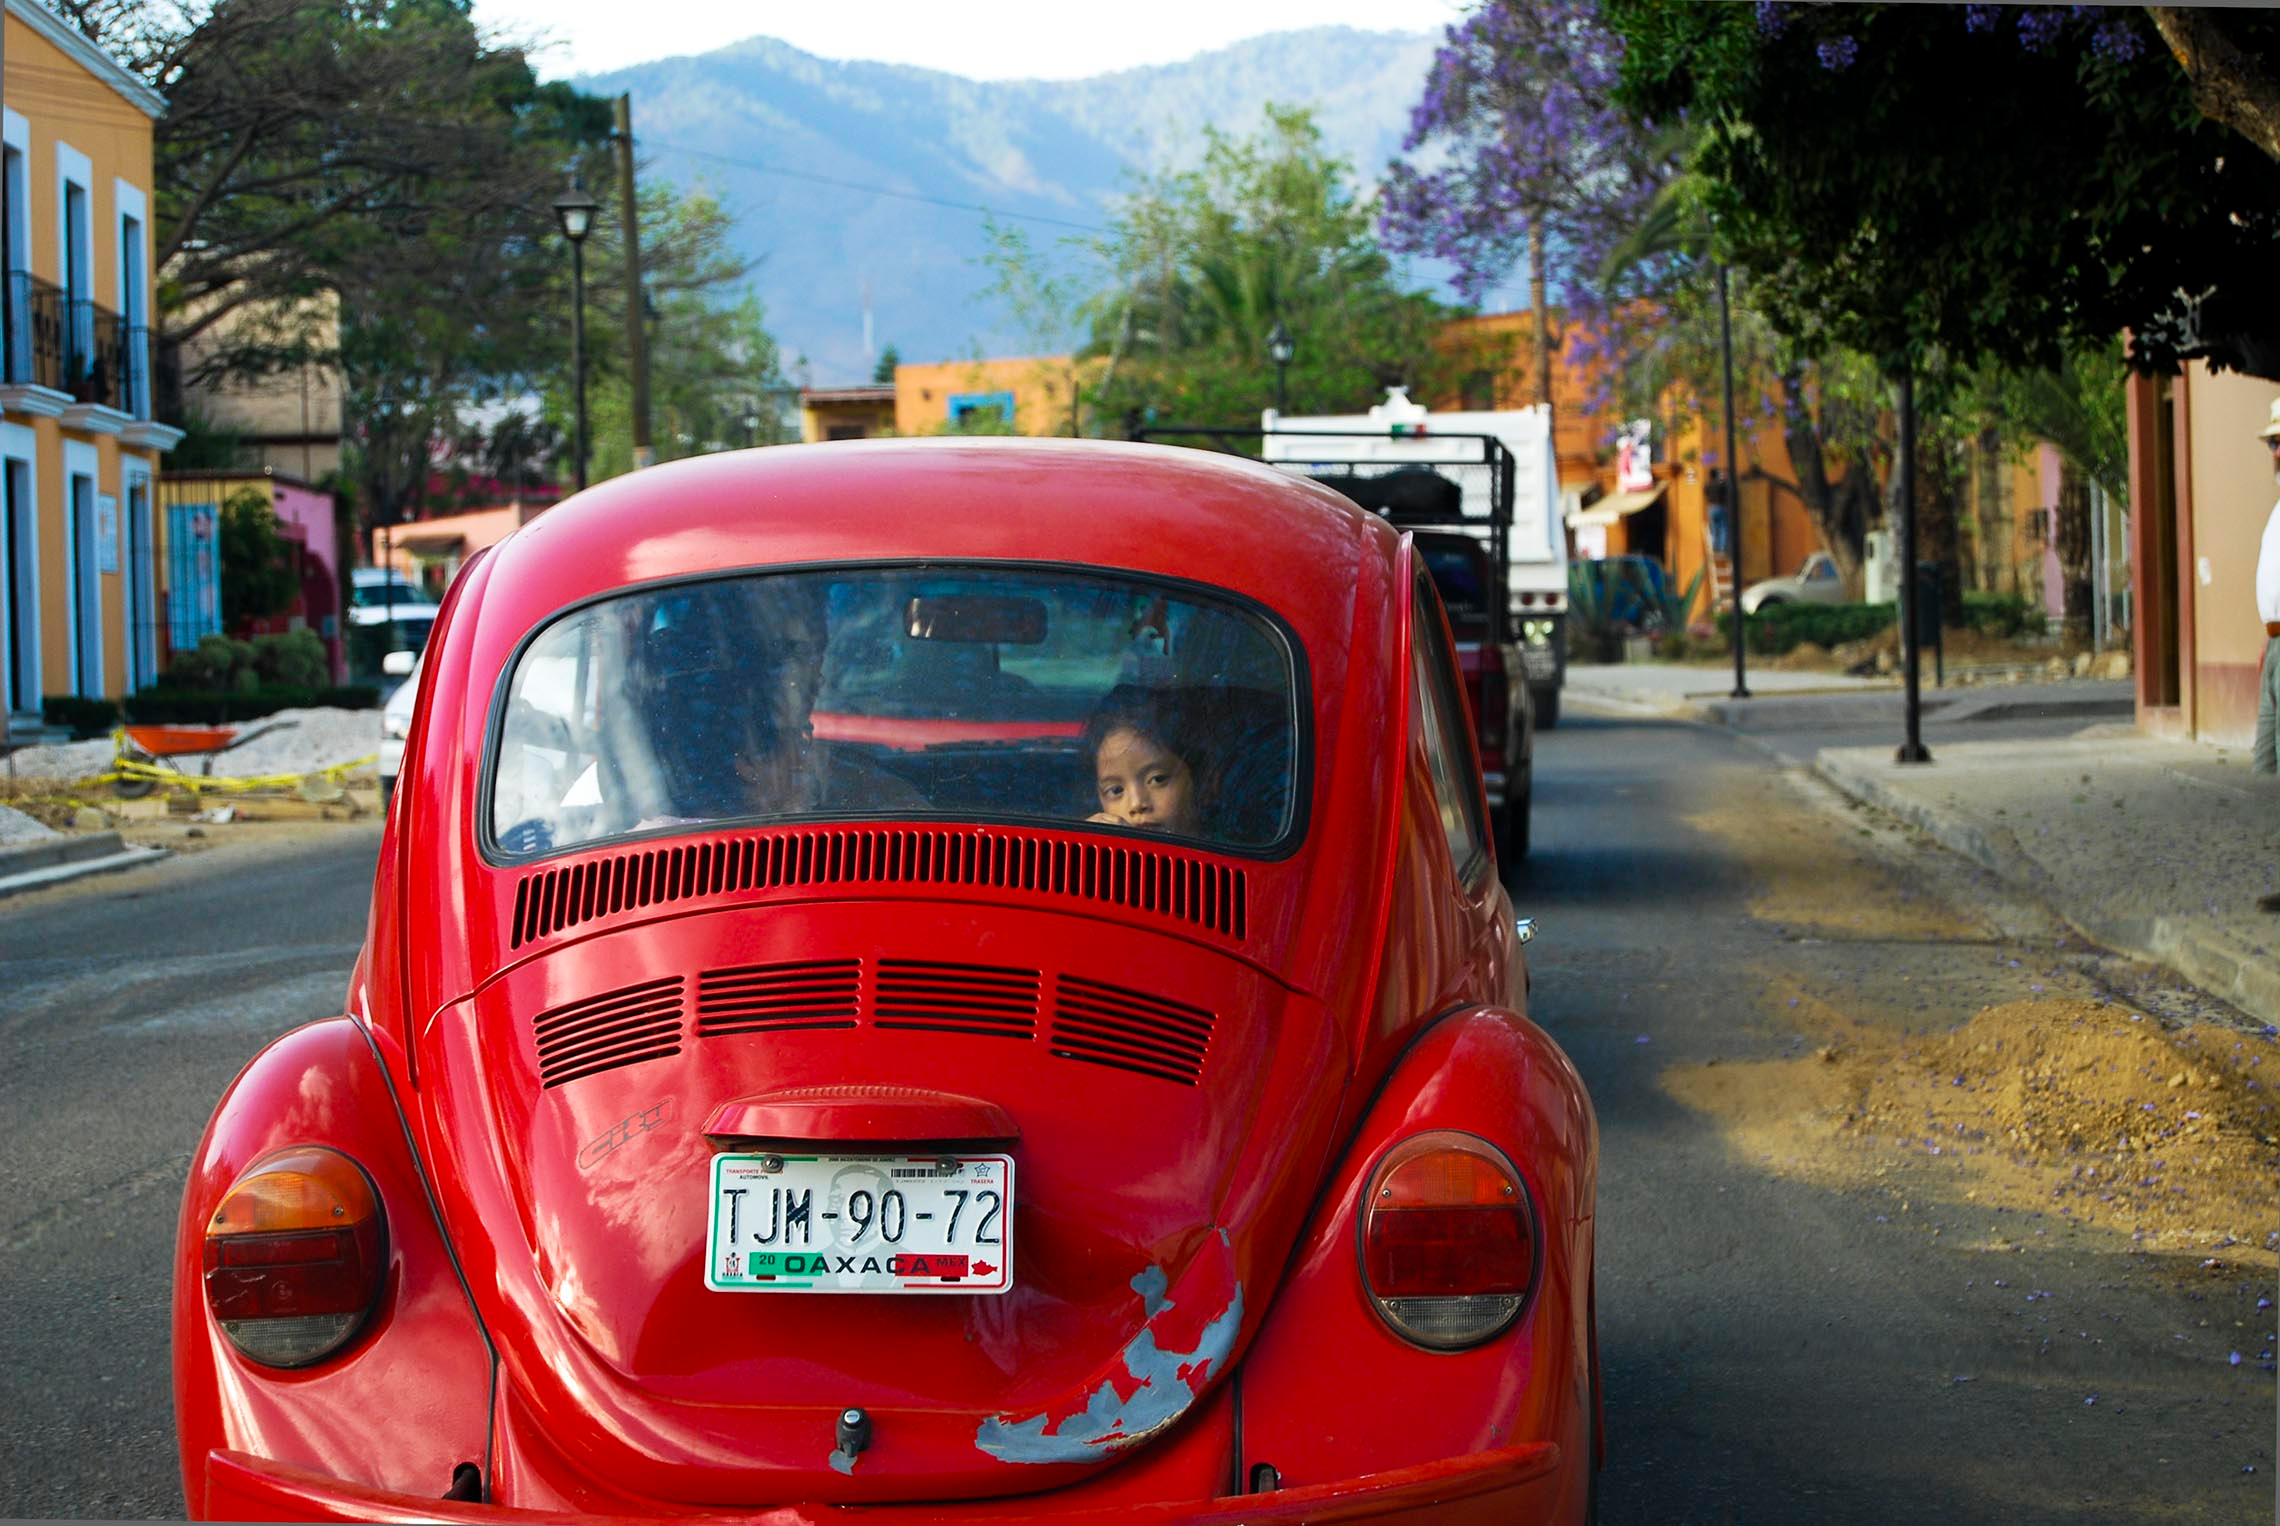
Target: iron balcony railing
x: 33, y: 342
x: 78, y: 347
x: 96, y: 365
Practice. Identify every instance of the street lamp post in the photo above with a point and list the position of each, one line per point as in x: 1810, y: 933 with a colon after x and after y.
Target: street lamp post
x: 1733, y: 487
x: 574, y: 209
x: 1281, y: 348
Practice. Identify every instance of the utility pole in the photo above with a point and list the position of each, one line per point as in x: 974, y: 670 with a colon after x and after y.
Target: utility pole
x: 637, y: 338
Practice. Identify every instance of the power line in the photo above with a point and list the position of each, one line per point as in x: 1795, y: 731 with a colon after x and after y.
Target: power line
x: 875, y: 190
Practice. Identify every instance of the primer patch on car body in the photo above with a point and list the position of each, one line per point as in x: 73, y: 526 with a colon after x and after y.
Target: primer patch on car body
x: 1154, y: 1388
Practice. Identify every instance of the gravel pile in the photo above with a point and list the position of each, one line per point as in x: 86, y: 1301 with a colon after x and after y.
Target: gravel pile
x: 316, y: 739
x: 16, y: 827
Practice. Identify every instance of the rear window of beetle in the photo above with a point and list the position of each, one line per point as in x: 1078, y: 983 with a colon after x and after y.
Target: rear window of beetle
x: 1070, y: 698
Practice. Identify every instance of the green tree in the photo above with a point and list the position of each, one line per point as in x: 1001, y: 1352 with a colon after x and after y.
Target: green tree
x: 258, y: 574
x: 1200, y: 264
x: 883, y: 374
x: 306, y: 142
x: 1999, y: 182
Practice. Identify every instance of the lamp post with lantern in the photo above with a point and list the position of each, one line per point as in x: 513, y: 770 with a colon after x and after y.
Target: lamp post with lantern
x: 1281, y: 349
x: 574, y: 209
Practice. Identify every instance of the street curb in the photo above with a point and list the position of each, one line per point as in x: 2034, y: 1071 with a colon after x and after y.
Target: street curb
x: 15, y: 879
x: 45, y: 851
x: 2214, y: 962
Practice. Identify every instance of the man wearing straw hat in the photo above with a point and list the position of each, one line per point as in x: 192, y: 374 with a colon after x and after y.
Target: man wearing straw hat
x: 2264, y: 758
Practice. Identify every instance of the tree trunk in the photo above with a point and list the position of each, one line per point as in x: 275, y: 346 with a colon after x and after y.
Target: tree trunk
x: 1938, y: 486
x: 2230, y: 83
x: 1998, y: 573
x: 2072, y: 532
x: 1840, y: 509
x: 1537, y: 299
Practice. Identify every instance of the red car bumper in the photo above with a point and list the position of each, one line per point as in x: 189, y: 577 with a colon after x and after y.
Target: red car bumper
x: 1510, y: 1484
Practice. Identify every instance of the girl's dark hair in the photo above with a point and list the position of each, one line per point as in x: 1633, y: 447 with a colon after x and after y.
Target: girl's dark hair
x: 1165, y: 716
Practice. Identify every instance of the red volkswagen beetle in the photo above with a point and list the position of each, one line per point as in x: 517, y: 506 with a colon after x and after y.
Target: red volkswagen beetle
x: 919, y: 980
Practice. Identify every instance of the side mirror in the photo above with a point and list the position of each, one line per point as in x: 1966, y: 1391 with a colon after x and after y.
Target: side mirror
x: 398, y: 664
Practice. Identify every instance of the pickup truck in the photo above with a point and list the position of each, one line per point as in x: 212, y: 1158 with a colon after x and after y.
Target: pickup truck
x: 1503, y: 711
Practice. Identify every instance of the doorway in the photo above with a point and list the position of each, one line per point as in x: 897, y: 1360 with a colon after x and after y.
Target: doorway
x: 19, y: 589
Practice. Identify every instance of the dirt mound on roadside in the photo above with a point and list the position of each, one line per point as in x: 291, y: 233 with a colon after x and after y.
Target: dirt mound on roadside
x: 2071, y: 1108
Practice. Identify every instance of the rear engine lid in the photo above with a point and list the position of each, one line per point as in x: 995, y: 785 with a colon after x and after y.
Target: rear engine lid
x: 1167, y: 1110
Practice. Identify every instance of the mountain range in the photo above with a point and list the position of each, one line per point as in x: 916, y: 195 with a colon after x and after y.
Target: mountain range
x: 855, y: 185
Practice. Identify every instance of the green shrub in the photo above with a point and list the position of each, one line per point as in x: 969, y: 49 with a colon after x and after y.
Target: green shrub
x: 2002, y: 614
x: 218, y: 663
x: 291, y: 660
x: 86, y: 717
x: 1779, y: 628
x: 207, y: 707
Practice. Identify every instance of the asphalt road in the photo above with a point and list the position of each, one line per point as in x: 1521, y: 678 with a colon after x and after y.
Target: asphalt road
x: 127, y: 1003
x: 1774, y: 1350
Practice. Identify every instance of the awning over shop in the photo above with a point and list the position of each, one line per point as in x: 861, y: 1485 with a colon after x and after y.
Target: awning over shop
x: 429, y: 542
x: 1616, y: 506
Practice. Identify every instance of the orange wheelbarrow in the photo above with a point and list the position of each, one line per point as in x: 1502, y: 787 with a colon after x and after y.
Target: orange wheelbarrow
x: 136, y: 766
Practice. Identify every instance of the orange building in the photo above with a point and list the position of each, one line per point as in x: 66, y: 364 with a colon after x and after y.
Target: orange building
x: 82, y: 546
x: 1669, y: 519
x: 1021, y: 394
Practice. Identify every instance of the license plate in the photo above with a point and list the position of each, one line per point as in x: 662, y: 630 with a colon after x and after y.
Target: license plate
x: 860, y: 1224
x: 1539, y: 661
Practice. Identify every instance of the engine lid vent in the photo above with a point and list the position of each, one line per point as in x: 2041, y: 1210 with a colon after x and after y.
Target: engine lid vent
x: 1110, y: 1025
x: 778, y: 998
x: 1185, y: 887
x: 980, y: 999
x: 622, y: 1027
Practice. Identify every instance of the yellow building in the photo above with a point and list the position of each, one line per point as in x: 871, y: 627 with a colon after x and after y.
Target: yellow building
x: 847, y: 413
x: 1022, y: 394
x: 287, y: 421
x: 80, y: 541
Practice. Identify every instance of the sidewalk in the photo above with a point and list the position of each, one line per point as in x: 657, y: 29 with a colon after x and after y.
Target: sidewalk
x: 32, y: 856
x: 1684, y: 689
x: 2156, y: 849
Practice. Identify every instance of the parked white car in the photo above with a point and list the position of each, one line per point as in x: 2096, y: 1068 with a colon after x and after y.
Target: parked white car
x: 379, y: 587
x: 396, y: 719
x: 1816, y: 582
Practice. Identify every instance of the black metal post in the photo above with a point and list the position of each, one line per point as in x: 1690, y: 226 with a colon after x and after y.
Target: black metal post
x: 1912, y: 750
x: 1282, y: 388
x: 1733, y: 488
x: 578, y: 357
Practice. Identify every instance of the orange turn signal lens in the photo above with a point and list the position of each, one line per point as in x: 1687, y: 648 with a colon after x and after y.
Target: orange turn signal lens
x: 295, y: 1256
x: 1448, y: 1240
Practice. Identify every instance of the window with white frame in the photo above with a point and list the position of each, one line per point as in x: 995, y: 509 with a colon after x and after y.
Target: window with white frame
x: 133, y: 390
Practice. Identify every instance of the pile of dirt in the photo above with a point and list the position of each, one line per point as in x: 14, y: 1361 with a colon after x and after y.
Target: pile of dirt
x: 2077, y: 1109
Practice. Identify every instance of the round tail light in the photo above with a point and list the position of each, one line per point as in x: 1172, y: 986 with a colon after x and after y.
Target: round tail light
x: 295, y: 1256
x: 1449, y: 1244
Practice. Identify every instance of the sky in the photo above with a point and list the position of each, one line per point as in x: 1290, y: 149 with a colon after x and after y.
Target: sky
x: 1022, y: 39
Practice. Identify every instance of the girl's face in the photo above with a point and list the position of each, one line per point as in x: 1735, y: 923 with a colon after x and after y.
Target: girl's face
x: 1144, y: 784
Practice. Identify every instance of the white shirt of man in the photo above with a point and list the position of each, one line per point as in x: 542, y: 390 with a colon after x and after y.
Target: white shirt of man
x: 2268, y: 570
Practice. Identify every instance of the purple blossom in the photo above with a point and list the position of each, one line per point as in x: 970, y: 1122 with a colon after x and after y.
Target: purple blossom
x: 2117, y: 42
x: 1838, y: 53
x: 2039, y: 26
x: 1772, y: 18
x: 1982, y: 18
